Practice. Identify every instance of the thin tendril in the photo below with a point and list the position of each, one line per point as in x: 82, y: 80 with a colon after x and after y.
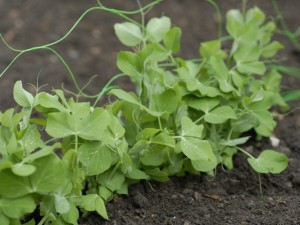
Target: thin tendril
x: 107, y: 87
x: 47, y: 46
x: 130, y: 12
x: 219, y: 15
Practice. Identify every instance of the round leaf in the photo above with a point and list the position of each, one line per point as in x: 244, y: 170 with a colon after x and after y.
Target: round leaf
x: 23, y: 170
x: 128, y: 33
x: 269, y: 161
x: 62, y: 205
x: 157, y: 28
x: 17, y: 207
x: 96, y: 158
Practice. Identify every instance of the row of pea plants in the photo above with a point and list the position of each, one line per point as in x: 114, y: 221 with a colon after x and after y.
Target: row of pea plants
x: 61, y: 158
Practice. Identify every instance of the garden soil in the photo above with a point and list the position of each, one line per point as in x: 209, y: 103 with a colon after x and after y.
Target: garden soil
x: 230, y: 197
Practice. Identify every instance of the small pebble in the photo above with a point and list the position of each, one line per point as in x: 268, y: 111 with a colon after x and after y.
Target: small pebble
x: 173, y: 196
x: 197, y: 196
x: 274, y: 141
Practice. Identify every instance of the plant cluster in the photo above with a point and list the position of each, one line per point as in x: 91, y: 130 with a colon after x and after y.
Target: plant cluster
x: 61, y: 158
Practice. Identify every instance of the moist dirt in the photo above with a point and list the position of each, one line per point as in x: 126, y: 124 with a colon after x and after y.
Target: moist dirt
x: 230, y: 197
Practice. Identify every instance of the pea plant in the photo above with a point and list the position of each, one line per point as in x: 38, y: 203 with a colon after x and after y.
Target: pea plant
x: 61, y: 158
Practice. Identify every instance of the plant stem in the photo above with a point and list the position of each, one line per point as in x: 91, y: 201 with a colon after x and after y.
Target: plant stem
x: 198, y: 120
x: 245, y: 152
x: 76, y: 142
x: 286, y: 31
x: 219, y: 17
x: 260, y: 185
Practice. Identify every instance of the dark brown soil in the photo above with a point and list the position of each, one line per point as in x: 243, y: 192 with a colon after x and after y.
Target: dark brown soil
x: 228, y: 198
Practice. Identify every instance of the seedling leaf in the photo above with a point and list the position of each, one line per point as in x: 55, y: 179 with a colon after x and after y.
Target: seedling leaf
x: 269, y: 161
x: 95, y: 157
x: 22, y: 97
x: 220, y: 115
x: 157, y: 28
x: 128, y: 33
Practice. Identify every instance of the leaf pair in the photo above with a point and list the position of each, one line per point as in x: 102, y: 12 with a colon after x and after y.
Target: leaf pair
x: 131, y: 34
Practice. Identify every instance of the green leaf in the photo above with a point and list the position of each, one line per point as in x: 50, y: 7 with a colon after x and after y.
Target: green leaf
x: 234, y: 22
x: 204, y: 104
x: 200, y: 153
x: 112, y: 181
x: 32, y: 139
x: 247, y: 57
x: 259, y: 110
x: 13, y: 186
x: 62, y: 205
x: 128, y: 33
x: 38, y: 154
x: 252, y: 68
x: 22, y: 169
x: 137, y: 174
x: 166, y: 101
x: 116, y: 127
x: 131, y: 98
x: 72, y: 215
x: 128, y: 97
x: 238, y: 79
x: 204, y: 165
x: 16, y: 208
x: 221, y: 73
x: 271, y: 49
x: 147, y: 133
x: 255, y: 17
x: 211, y: 48
x: 49, y: 175
x: 266, y: 122
x: 157, y: 28
x: 3, y: 219
x: 235, y: 142
x: 220, y: 115
x: 93, y: 202
x: 100, y: 208
x: 61, y: 125
x: 23, y: 97
x: 190, y: 129
x: 95, y: 157
x: 172, y: 39
x: 227, y: 157
x: 80, y: 110
x: 163, y: 138
x: 51, y: 101
x: 105, y: 193
x: 154, y: 155
x: 269, y: 161
x: 244, y: 123
x: 129, y: 63
x: 157, y: 174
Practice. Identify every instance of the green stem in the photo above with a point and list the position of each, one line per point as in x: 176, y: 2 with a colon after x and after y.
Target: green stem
x: 159, y: 122
x: 76, y: 143
x: 43, y: 220
x: 219, y: 17
x: 47, y: 46
x: 245, y: 152
x: 286, y: 31
x: 260, y: 185
x: 201, y: 118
